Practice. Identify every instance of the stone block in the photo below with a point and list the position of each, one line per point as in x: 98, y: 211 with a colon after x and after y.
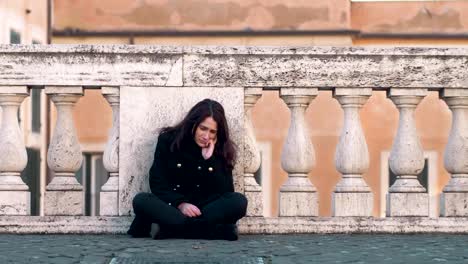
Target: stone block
x: 454, y: 204
x: 145, y: 110
x: 63, y: 203
x: 14, y: 90
x: 255, y: 205
x: 109, y: 203
x: 15, y: 203
x: 298, y: 204
x: 408, y: 204
x: 352, y: 204
x: 64, y: 90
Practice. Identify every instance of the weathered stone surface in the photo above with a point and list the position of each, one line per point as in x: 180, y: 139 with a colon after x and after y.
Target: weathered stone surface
x: 371, y: 70
x: 329, y: 225
x: 298, y: 195
x: 91, y: 65
x: 64, y: 224
x: 63, y: 203
x: 233, y: 66
x: 145, y: 111
x: 298, y: 204
x: 298, y: 154
x: 273, y: 249
x: 251, y: 158
x: 255, y: 205
x: 352, y: 154
x: 247, y: 225
x: 454, y: 204
x: 352, y: 204
x: 456, y: 150
x: 15, y: 199
x: 64, y: 155
x: 13, y: 156
x: 408, y: 204
x: 111, y: 153
x: 109, y: 203
x: 15, y: 203
x: 407, y: 155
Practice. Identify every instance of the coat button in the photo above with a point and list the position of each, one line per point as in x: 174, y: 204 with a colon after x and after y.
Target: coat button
x: 178, y: 185
x: 199, y: 167
x: 210, y: 169
x: 169, y: 203
x: 179, y: 165
x: 198, y: 185
x: 175, y: 189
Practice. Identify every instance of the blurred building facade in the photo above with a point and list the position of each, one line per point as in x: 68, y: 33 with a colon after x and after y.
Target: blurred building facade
x: 25, y: 22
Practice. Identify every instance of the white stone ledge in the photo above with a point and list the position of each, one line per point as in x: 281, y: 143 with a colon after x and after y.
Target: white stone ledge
x: 248, y: 225
x: 64, y: 224
x: 217, y: 66
x: 325, y: 225
x: 239, y: 50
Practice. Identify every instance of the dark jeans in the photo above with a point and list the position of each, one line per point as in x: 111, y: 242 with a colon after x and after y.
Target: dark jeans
x: 148, y: 208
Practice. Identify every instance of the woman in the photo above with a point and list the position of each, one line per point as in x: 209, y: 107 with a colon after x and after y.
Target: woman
x: 192, y: 193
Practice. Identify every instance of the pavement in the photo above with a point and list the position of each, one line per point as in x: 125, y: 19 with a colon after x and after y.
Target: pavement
x: 119, y: 249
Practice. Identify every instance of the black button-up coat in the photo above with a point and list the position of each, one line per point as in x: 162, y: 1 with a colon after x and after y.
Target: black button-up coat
x: 185, y: 176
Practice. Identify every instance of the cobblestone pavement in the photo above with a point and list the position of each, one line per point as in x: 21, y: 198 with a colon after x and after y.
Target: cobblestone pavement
x: 255, y: 248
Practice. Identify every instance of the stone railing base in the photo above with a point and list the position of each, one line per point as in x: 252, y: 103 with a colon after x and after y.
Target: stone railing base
x: 248, y: 225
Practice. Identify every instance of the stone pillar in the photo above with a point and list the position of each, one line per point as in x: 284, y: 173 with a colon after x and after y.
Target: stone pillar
x: 109, y: 196
x: 253, y: 191
x: 15, y: 198
x: 64, y: 194
x: 352, y: 196
x: 298, y: 197
x: 454, y: 198
x: 407, y: 197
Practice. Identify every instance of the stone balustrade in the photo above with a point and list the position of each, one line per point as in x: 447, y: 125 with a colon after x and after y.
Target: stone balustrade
x: 144, y: 81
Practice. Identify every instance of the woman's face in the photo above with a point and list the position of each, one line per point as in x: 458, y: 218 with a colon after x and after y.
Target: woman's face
x: 205, y: 132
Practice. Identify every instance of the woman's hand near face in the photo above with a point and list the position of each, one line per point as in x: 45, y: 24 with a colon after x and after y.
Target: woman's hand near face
x: 189, y: 210
x: 207, y: 151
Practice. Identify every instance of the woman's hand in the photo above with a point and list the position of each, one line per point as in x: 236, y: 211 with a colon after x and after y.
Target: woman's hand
x: 189, y: 210
x: 208, y: 150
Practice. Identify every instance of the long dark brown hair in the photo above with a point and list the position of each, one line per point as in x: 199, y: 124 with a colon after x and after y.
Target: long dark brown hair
x: 185, y: 129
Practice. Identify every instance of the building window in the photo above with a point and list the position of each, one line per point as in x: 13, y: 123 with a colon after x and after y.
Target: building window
x: 31, y: 176
x: 92, y: 175
x: 15, y: 37
x: 36, y: 110
x: 258, y: 173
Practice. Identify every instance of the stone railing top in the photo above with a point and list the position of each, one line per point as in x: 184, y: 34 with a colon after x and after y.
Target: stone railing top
x: 216, y: 66
x: 234, y: 50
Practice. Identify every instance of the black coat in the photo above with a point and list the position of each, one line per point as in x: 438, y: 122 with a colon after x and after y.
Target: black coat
x: 185, y: 176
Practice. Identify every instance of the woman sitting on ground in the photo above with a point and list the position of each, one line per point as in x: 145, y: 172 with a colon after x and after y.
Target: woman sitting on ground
x: 192, y: 193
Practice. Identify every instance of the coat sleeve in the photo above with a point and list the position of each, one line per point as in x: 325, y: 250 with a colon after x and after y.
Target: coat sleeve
x: 159, y: 174
x: 229, y: 187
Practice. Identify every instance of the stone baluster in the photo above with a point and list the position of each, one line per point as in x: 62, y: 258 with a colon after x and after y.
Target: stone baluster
x: 109, y: 196
x: 15, y: 198
x: 352, y: 196
x: 64, y: 194
x: 253, y: 190
x: 407, y: 197
x: 298, y: 197
x: 454, y: 198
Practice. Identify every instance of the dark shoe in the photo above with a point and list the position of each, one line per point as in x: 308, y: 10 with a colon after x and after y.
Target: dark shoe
x: 226, y: 232
x: 155, y: 232
x: 139, y: 228
x: 197, y: 229
x: 159, y: 231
